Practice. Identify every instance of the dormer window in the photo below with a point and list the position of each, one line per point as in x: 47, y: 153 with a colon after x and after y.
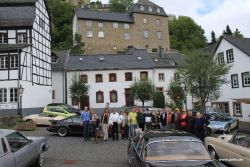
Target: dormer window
x: 158, y: 10
x: 21, y: 38
x: 141, y: 8
x: 150, y: 9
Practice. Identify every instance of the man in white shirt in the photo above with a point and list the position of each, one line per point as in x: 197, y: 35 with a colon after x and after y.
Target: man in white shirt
x: 114, y: 120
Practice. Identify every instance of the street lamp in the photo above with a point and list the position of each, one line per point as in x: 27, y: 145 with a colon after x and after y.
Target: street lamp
x: 20, y: 93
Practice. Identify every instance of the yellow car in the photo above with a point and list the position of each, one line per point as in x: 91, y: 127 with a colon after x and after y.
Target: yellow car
x: 58, y: 110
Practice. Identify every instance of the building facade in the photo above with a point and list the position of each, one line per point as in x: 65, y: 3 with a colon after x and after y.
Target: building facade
x: 25, y: 56
x: 145, y: 26
x: 235, y: 97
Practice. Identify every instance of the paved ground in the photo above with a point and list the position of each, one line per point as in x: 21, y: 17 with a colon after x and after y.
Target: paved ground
x: 72, y: 151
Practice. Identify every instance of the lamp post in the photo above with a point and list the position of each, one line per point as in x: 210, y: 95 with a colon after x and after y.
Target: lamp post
x: 20, y: 93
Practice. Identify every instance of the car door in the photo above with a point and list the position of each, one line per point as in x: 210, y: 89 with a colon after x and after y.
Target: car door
x: 22, y: 149
x: 76, y: 127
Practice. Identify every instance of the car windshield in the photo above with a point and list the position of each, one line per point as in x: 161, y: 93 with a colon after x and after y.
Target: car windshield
x: 175, y: 150
x: 220, y: 117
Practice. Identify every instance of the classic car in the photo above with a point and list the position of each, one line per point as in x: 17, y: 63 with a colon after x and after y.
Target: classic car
x: 67, y: 106
x: 58, y: 110
x: 168, y: 148
x: 232, y: 149
x: 42, y: 119
x: 221, y: 122
x: 19, y: 151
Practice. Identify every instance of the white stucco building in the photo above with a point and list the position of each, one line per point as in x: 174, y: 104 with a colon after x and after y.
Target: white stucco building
x: 110, y: 75
x: 25, y: 56
x: 235, y: 96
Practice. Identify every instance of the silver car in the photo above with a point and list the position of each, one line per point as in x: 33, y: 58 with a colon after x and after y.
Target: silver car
x: 19, y: 151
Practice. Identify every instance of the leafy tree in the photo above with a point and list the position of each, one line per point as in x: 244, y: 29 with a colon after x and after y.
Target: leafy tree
x: 142, y: 90
x: 177, y: 94
x: 78, y: 45
x: 237, y: 33
x: 203, y: 76
x: 78, y: 89
x: 213, y: 37
x: 185, y: 34
x: 61, y: 16
x: 159, y: 100
x: 228, y: 31
x: 120, y: 6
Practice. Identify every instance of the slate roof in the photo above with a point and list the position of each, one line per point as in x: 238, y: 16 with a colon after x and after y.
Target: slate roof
x: 103, y: 15
x: 15, y: 16
x: 241, y: 43
x: 12, y: 47
x: 210, y: 49
x: 138, y: 59
x: 61, y: 61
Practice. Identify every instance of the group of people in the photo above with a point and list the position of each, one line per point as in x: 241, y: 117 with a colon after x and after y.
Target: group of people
x: 124, y: 124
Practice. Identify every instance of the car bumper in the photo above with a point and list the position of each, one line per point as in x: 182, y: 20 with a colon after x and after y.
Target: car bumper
x: 52, y: 129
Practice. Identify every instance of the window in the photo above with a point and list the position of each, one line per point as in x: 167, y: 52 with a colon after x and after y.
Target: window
x: 13, y: 61
x: 16, y: 141
x: 146, y: 34
x: 144, y: 75
x: 100, y: 34
x: 161, y: 77
x: 246, y: 79
x: 112, y: 77
x: 158, y: 34
x: 157, y: 22
x: 89, y: 23
x: 234, y: 81
x: 127, y: 36
x: 237, y: 109
x: 145, y: 21
x: 223, y: 106
x: 230, y: 56
x: 84, y: 78
x: 113, y: 96
x: 98, y: 78
x: 99, y: 97
x: 89, y: 34
x: 100, y: 24
x: 159, y: 89
x: 126, y: 26
x: 158, y: 10
x: 141, y: 8
x: 21, y: 38
x: 3, y: 95
x: 115, y: 25
x: 128, y: 76
x: 13, y: 95
x: 41, y: 23
x: 53, y: 94
x: 3, y: 38
x: 150, y: 9
x: 4, y: 145
x: 4, y: 62
x: 154, y: 50
x: 221, y: 58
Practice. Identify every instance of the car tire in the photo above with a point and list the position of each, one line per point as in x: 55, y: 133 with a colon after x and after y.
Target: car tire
x: 62, y: 131
x: 39, y: 160
x: 212, y: 153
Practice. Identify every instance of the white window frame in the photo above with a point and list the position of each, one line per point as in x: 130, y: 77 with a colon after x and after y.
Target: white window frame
x: 245, y: 79
x: 234, y: 81
x: 13, y: 95
x: 126, y: 26
x: 3, y: 36
x: 127, y: 36
x: 159, y: 35
x: 221, y: 57
x: 22, y: 38
x: 13, y: 61
x: 230, y: 56
x: 90, y: 34
x: 146, y: 34
x: 161, y: 77
x: 100, y: 34
x: 3, y: 95
x: 237, y: 109
x: 3, y: 62
x: 158, y: 10
x: 89, y: 23
x: 142, y: 8
x: 145, y: 20
x: 100, y: 24
x: 115, y: 25
x: 150, y: 9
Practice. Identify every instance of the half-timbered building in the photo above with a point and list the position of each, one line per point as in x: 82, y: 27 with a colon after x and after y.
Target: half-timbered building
x: 25, y: 56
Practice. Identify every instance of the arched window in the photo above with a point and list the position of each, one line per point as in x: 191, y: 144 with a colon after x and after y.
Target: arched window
x: 99, y: 97
x: 112, y: 77
x: 113, y: 96
x: 128, y: 76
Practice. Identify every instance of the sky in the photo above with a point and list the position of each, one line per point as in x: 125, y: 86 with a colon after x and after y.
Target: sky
x: 211, y: 14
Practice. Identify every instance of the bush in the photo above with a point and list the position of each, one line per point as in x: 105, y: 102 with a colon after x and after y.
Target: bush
x: 159, y: 100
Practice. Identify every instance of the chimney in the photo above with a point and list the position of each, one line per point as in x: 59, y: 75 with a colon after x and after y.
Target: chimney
x: 161, y: 52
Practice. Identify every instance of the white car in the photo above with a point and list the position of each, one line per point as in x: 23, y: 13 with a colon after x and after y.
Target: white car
x: 42, y: 119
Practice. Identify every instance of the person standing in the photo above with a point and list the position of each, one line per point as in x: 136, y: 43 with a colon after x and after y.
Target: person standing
x: 126, y: 121
x: 163, y: 120
x: 183, y: 121
x: 93, y: 122
x: 133, y: 122
x: 114, y: 120
x: 170, y: 119
x: 190, y: 122
x: 85, y: 119
x: 140, y: 119
x: 105, y: 123
x: 200, y: 123
x: 177, y: 119
x: 122, y: 123
x: 148, y: 119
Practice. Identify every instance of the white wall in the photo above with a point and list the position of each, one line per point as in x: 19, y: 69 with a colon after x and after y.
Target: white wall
x: 58, y: 86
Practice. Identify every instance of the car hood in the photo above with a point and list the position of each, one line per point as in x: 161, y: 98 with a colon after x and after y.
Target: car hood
x: 217, y: 124
x: 205, y: 163
x: 31, y: 116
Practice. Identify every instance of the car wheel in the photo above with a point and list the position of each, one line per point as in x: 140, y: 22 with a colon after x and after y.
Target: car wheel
x: 39, y: 161
x: 62, y: 131
x: 212, y: 153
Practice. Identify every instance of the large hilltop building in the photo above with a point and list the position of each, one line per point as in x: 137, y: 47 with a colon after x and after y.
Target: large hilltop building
x: 145, y: 26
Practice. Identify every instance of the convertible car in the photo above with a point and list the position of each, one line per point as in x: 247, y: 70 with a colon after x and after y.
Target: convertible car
x: 232, y: 149
x: 221, y: 122
x: 169, y: 148
x: 42, y: 119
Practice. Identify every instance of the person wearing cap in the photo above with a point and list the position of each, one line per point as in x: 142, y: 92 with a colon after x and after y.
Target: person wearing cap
x: 177, y: 119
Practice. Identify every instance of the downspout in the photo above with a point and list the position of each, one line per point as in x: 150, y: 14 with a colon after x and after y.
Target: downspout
x: 65, y: 91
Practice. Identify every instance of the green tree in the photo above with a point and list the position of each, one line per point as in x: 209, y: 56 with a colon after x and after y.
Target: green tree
x: 158, y: 100
x: 213, y: 37
x: 185, y: 34
x: 121, y: 6
x: 78, y: 89
x: 203, y: 76
x: 237, y: 33
x: 78, y: 45
x: 228, y: 31
x: 176, y: 94
x: 142, y: 90
x: 61, y: 17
